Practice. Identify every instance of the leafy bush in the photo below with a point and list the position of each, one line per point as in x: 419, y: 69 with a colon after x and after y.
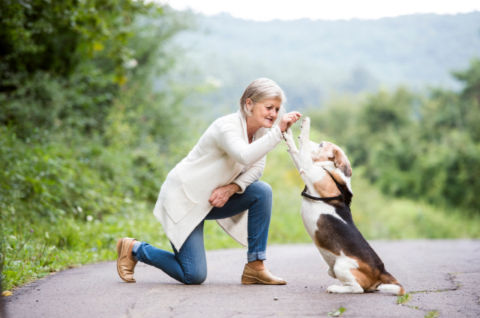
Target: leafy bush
x: 84, y: 133
x: 63, y: 63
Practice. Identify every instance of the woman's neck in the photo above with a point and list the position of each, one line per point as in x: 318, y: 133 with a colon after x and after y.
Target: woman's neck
x: 251, y: 130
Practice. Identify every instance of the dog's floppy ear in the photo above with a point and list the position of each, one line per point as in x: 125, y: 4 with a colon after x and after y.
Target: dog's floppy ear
x: 341, y: 161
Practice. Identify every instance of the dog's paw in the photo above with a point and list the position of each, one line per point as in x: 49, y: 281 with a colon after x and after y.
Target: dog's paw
x: 305, y: 121
x: 344, y: 289
x: 334, y: 289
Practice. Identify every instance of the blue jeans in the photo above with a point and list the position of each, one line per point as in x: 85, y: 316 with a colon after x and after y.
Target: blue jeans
x: 189, y: 265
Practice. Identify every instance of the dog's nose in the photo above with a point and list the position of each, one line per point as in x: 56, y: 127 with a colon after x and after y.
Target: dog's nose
x: 320, y: 144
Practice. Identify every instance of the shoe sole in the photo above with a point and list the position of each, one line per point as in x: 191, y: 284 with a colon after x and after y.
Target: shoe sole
x: 248, y: 280
x: 251, y: 280
x: 119, y: 251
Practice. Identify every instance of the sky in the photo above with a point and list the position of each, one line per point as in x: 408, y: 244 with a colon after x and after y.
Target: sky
x: 265, y: 10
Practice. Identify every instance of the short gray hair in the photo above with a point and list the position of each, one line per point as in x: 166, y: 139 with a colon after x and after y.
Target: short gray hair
x: 260, y: 89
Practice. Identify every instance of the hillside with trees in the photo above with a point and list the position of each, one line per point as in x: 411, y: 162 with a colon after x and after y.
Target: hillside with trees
x: 315, y: 60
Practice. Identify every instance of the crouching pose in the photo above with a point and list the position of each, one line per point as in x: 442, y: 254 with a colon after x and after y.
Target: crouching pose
x: 218, y: 180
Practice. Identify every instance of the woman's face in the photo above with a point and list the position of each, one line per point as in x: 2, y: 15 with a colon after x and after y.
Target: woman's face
x: 264, y: 112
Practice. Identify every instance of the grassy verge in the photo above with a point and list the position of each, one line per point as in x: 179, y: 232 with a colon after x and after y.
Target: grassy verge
x: 36, y: 246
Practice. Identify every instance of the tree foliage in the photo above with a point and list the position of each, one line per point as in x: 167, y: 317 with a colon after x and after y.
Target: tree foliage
x: 82, y: 125
x: 63, y: 62
x: 424, y: 147
x: 88, y: 107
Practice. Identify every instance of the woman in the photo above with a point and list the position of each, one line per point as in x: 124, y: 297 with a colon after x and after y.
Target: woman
x: 218, y: 180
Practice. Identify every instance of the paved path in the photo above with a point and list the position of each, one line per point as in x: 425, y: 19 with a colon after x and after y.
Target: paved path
x: 442, y: 277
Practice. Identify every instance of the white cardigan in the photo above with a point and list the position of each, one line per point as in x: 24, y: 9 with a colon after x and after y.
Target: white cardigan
x: 221, y: 156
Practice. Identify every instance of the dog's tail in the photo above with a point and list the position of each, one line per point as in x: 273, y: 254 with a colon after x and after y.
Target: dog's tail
x: 390, y: 285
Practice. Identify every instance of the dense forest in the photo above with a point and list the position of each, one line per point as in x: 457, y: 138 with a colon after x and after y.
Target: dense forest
x: 99, y: 99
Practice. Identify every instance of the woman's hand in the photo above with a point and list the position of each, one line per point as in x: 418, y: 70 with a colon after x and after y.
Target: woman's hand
x: 221, y: 195
x: 288, y: 120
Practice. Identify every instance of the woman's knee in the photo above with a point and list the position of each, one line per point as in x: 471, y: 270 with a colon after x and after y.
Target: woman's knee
x: 263, y: 189
x: 196, y: 278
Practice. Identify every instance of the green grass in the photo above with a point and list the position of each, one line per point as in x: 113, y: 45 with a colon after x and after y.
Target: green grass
x: 36, y: 246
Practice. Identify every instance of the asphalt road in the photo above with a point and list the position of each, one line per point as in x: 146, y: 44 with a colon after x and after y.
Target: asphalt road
x: 441, y: 276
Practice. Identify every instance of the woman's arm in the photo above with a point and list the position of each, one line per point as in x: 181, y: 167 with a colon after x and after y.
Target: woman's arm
x: 251, y: 175
x: 231, y: 139
x: 222, y: 194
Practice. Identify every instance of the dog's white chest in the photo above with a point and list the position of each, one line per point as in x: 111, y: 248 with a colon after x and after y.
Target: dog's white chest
x: 310, y: 217
x: 311, y: 212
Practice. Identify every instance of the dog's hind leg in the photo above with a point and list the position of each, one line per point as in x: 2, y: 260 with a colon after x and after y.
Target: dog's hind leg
x: 343, y: 271
x: 331, y: 272
x: 390, y: 285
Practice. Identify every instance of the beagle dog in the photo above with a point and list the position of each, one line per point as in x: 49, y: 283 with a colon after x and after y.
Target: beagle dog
x: 326, y: 214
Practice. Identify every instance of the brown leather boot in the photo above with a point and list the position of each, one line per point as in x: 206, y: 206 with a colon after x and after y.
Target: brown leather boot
x: 125, y: 261
x: 252, y: 276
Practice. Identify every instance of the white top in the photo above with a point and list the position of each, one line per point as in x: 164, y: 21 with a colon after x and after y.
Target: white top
x: 222, y: 156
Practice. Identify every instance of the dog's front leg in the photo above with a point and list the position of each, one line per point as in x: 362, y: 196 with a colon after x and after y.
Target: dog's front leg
x: 296, y: 156
x: 304, y: 143
x: 304, y: 136
x: 292, y: 148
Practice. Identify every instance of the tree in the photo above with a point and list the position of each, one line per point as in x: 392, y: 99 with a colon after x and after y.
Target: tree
x: 63, y: 62
x: 471, y: 80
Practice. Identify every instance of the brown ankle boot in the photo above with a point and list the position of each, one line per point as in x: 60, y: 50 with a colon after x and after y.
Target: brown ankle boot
x: 252, y: 276
x: 125, y: 261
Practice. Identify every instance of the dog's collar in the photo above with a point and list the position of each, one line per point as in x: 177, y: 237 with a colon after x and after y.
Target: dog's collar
x: 338, y: 197
x: 306, y: 195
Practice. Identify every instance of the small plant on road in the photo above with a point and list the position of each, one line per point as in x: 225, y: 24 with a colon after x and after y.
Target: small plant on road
x: 432, y: 314
x: 338, y: 312
x: 403, y: 299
